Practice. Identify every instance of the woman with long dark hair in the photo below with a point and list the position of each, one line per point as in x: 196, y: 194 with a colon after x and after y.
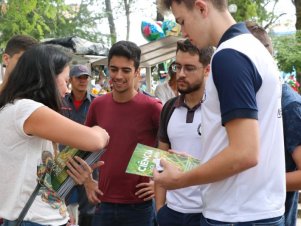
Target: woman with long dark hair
x: 29, y: 104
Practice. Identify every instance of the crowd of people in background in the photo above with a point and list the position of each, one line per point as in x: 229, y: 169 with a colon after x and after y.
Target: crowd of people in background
x: 223, y: 104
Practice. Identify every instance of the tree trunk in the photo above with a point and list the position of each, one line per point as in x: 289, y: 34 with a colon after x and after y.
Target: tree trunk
x: 297, y: 4
x: 111, y: 21
x: 127, y: 6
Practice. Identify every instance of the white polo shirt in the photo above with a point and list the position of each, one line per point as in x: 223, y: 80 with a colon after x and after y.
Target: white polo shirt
x: 183, y: 131
x: 244, y: 83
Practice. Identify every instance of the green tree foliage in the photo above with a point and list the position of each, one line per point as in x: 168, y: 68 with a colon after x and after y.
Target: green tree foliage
x: 78, y: 20
x: 49, y: 19
x: 288, y: 47
x: 255, y: 10
x: 23, y: 17
x: 288, y: 52
x: 246, y: 9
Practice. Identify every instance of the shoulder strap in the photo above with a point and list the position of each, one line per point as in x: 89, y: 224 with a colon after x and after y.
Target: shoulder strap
x: 166, y: 113
x: 28, y: 205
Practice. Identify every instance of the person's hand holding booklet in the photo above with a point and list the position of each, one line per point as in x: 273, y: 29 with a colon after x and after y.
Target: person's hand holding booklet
x: 79, y: 170
x: 145, y: 158
x: 70, y: 167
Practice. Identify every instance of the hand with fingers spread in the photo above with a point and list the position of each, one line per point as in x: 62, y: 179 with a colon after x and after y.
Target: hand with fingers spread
x: 92, y: 191
x: 146, y: 190
x: 91, y: 186
x: 169, y: 178
x: 81, y: 173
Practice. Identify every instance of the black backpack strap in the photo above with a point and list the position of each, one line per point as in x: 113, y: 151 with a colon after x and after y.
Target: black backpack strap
x: 165, y: 115
x: 28, y: 204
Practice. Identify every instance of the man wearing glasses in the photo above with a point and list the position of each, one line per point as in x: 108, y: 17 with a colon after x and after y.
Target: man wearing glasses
x: 180, y: 126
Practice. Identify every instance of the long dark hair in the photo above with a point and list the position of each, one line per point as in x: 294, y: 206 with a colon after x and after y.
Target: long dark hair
x: 34, y: 77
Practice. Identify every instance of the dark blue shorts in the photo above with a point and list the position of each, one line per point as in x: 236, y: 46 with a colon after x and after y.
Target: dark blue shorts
x: 169, y: 217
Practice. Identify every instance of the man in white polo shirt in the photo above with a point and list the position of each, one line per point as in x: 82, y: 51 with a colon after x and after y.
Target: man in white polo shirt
x: 180, y: 129
x: 243, y: 166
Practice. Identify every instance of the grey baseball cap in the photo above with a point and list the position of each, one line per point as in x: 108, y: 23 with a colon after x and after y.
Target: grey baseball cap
x: 78, y: 70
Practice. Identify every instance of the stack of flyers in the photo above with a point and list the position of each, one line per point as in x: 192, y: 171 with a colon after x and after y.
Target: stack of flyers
x: 57, y: 179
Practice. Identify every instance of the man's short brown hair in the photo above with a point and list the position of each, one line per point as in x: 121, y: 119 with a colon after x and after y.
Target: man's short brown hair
x: 204, y: 54
x: 261, y: 34
x: 166, y: 4
x: 19, y: 43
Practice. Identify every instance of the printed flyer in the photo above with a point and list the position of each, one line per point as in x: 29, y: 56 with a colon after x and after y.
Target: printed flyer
x: 145, y: 158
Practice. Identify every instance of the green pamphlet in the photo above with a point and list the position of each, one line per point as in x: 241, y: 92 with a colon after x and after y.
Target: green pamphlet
x: 145, y: 158
x: 57, y: 178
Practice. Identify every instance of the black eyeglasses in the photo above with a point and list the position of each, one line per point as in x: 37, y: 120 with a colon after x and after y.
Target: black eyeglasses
x: 187, y: 69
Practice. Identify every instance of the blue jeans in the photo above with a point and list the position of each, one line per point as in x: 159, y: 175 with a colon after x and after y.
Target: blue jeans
x: 24, y: 223
x: 276, y: 221
x: 169, y: 217
x: 155, y: 221
x: 113, y: 214
x: 291, y: 208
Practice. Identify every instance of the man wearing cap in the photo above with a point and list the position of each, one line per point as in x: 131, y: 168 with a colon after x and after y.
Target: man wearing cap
x: 76, y: 105
x: 78, y: 101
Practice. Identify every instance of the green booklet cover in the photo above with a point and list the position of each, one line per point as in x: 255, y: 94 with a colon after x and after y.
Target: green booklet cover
x: 58, y: 179
x: 145, y: 158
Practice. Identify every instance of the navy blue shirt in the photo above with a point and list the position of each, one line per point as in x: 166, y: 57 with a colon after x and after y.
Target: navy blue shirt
x: 291, y: 112
x: 77, y: 115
